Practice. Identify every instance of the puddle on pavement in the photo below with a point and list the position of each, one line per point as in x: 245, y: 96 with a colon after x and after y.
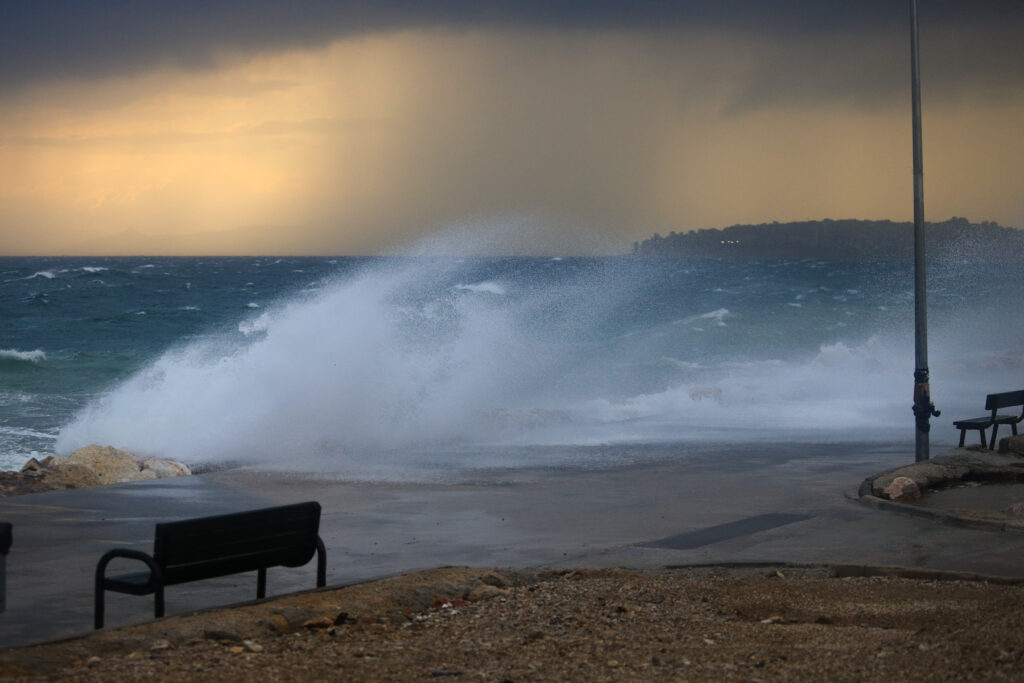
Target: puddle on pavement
x: 994, y: 496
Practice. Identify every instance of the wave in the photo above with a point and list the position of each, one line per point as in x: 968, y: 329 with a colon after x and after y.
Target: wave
x: 36, y: 356
x: 15, y: 431
x: 394, y: 357
x: 484, y: 287
x: 717, y: 316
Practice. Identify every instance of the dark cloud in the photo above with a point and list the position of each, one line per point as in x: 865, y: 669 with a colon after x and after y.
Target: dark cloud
x: 44, y: 40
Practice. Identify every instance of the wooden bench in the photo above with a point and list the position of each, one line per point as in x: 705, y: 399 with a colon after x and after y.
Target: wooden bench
x: 993, y: 403
x: 208, y: 547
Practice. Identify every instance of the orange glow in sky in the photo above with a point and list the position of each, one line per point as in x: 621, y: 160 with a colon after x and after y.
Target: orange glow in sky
x: 592, y: 138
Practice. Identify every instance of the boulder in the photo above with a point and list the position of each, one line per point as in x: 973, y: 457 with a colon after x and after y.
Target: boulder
x: 924, y: 474
x: 486, y: 592
x: 165, y: 467
x: 88, y: 466
x: 1015, y: 510
x: 109, y: 464
x: 903, y: 490
x: 32, y: 465
x: 1012, y: 444
x: 70, y: 476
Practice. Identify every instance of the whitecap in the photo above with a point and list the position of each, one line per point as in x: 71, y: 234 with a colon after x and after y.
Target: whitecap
x: 483, y: 287
x: 35, y: 356
x: 35, y: 434
x: 260, y: 324
x: 252, y: 304
x: 718, y: 315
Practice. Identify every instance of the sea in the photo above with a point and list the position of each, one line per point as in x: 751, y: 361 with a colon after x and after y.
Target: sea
x: 394, y: 367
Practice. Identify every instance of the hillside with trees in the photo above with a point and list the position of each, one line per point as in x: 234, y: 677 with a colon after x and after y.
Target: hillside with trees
x: 954, y: 239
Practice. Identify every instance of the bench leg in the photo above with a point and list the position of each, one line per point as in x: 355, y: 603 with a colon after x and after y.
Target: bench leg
x: 97, y: 615
x: 321, y: 563
x: 261, y: 583
x: 963, y: 433
x: 158, y: 601
x: 992, y: 444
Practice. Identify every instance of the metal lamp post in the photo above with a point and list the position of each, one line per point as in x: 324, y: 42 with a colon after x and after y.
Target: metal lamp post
x: 923, y: 406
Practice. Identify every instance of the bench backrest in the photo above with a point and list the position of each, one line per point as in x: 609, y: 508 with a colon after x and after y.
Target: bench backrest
x: 1004, y: 400
x: 207, y: 547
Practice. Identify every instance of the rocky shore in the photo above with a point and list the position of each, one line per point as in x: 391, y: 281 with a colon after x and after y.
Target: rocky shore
x: 88, y: 466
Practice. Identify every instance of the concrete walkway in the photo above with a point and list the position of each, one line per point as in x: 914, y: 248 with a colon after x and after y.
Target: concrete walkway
x: 774, y: 503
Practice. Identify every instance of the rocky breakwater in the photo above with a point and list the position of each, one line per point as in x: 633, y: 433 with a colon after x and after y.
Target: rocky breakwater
x: 88, y: 466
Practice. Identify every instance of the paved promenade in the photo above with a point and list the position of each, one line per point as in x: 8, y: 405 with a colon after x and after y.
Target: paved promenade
x: 766, y: 503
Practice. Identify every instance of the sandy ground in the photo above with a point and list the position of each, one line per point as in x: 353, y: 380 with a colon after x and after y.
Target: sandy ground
x: 753, y: 623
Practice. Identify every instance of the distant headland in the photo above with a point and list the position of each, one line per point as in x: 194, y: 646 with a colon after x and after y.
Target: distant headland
x: 954, y: 239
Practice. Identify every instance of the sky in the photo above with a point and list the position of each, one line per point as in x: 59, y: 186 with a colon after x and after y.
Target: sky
x: 356, y: 127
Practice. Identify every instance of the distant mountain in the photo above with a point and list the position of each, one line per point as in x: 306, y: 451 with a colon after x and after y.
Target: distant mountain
x: 955, y: 239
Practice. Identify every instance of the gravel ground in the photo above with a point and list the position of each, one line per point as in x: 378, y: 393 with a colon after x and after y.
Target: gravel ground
x: 709, y: 624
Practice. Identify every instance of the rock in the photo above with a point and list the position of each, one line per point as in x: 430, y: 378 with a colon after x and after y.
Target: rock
x: 32, y: 465
x: 87, y: 466
x: 165, y: 467
x: 924, y: 474
x: 485, y: 592
x: 221, y: 635
x: 70, y: 476
x: 318, y: 623
x: 109, y: 464
x: 495, y: 580
x: 1012, y: 444
x: 1015, y: 510
x: 903, y: 490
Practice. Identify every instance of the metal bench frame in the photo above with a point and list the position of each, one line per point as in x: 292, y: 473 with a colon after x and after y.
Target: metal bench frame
x: 993, y: 403
x: 209, y: 547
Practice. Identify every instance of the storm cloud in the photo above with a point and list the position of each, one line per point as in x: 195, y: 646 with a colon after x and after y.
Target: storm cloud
x: 46, y: 40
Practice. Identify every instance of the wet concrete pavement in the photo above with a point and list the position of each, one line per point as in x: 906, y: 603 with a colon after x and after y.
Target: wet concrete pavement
x: 774, y: 503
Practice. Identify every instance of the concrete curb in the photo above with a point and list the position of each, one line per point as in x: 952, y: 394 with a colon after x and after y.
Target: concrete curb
x: 962, y: 465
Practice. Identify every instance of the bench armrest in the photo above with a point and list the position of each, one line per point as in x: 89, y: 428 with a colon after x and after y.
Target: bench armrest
x: 154, y: 584
x: 129, y: 553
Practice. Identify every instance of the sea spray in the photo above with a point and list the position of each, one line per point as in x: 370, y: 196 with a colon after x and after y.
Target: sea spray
x: 387, y: 358
x: 391, y: 359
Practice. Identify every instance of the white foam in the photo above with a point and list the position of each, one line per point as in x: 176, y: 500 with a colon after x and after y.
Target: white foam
x: 255, y: 326
x: 718, y: 316
x: 406, y: 355
x: 36, y: 356
x: 484, y: 287
x: 344, y: 372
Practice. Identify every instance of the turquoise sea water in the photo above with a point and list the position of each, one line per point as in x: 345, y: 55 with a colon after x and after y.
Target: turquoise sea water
x: 346, y: 362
